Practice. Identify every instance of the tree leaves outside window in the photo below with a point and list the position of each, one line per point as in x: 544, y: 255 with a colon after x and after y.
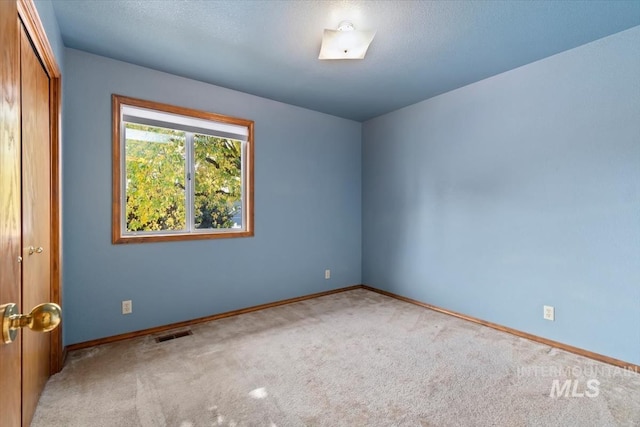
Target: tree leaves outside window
x: 156, y: 198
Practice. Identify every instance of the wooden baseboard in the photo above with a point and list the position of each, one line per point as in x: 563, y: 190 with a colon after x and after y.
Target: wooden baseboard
x: 187, y: 323
x: 551, y: 343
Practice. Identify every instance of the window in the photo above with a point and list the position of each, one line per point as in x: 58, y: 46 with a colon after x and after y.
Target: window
x: 179, y: 174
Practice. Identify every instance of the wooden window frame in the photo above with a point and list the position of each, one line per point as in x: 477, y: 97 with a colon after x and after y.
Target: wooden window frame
x: 117, y: 235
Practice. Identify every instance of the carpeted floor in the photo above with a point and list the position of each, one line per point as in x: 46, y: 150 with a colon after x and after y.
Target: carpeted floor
x: 355, y: 358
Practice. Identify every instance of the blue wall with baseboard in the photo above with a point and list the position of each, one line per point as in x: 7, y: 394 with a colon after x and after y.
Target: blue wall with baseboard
x: 307, y: 209
x: 514, y: 192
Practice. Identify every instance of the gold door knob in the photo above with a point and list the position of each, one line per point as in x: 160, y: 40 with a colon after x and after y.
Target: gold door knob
x: 43, y: 318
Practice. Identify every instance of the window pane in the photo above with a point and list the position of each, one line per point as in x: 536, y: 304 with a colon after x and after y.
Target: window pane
x: 218, y: 182
x: 155, y: 174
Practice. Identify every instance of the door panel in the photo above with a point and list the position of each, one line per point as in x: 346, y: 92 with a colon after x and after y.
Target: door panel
x: 36, y: 214
x: 29, y: 204
x: 10, y: 227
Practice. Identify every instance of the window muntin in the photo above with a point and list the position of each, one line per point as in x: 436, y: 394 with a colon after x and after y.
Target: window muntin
x: 181, y: 174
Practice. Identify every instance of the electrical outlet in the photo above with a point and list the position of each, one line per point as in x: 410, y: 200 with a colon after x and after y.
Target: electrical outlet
x: 549, y: 312
x: 327, y: 274
x: 127, y: 307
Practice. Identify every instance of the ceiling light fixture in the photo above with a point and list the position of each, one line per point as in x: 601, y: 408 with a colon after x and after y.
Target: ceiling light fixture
x: 345, y: 42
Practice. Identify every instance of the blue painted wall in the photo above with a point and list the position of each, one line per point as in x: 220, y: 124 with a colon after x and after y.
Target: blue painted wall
x: 307, y: 209
x: 514, y: 192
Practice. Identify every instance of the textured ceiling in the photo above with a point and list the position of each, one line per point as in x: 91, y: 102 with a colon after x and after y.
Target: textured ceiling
x: 270, y: 48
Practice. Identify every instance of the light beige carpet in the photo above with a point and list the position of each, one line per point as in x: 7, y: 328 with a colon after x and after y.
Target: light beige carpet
x: 355, y: 358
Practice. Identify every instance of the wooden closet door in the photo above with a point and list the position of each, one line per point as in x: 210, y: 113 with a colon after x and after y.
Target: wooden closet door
x: 29, y: 204
x: 10, y: 227
x: 36, y: 225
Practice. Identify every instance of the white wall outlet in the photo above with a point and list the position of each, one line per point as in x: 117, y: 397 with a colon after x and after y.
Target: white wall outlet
x: 549, y: 312
x: 327, y: 274
x: 127, y: 307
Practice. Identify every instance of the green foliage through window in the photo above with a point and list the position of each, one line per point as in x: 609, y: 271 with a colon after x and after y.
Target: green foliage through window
x: 157, y: 170
x: 155, y: 167
x: 218, y: 182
